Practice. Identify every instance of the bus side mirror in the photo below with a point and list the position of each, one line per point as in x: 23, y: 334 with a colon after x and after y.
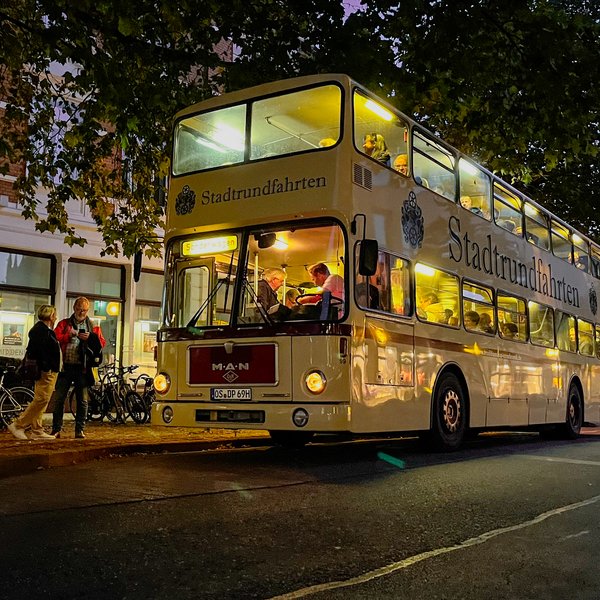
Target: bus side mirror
x: 367, y: 257
x: 137, y: 265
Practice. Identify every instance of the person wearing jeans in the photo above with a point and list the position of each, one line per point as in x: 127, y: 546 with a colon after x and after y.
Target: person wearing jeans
x: 74, y: 334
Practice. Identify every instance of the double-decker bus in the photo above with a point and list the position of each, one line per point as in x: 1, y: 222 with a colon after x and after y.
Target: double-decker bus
x: 332, y: 266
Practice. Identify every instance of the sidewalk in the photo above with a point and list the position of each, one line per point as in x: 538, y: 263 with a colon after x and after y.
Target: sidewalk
x: 105, y: 439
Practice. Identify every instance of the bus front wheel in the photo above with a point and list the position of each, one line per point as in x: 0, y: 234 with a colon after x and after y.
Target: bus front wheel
x: 291, y: 439
x: 449, y: 418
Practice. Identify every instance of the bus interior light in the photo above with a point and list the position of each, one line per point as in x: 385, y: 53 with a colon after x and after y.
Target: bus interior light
x: 379, y: 110
x: 424, y: 270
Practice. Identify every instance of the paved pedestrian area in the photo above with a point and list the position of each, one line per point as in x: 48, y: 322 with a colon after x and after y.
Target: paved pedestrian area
x: 106, y: 439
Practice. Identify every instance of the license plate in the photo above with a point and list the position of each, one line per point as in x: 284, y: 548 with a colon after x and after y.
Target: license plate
x: 230, y: 394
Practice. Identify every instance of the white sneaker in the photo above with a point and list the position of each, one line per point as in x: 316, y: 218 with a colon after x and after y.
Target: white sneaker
x: 41, y: 435
x: 17, y: 432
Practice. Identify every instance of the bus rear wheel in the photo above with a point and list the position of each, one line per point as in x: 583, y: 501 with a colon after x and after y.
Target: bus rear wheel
x: 574, y: 419
x: 449, y: 417
x: 291, y: 439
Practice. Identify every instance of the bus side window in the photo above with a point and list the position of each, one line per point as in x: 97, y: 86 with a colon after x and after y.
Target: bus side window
x: 435, y: 164
x: 585, y: 337
x: 437, y: 295
x: 507, y: 210
x: 512, y: 318
x: 389, y: 289
x: 475, y: 184
x: 566, y: 332
x: 541, y: 325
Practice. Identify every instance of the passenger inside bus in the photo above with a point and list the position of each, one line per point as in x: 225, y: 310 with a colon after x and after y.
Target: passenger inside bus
x: 290, y: 297
x: 367, y: 295
x: 485, y: 323
x: 509, y: 330
x: 401, y: 164
x: 374, y: 146
x: 272, y: 280
x: 467, y: 203
x: 322, y: 277
x: 426, y: 302
x: 471, y: 319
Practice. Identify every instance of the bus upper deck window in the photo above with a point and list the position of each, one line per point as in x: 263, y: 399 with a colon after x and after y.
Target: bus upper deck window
x: 296, y: 122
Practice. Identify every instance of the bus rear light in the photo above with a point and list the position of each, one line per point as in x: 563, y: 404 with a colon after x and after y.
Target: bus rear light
x: 162, y: 383
x: 315, y: 382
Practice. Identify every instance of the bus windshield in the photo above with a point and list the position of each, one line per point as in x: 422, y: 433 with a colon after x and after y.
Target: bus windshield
x: 292, y: 272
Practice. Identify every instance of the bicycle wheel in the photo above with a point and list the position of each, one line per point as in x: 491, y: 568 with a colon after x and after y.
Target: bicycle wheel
x: 95, y: 404
x: 134, y: 405
x: 111, y: 403
x: 13, y: 402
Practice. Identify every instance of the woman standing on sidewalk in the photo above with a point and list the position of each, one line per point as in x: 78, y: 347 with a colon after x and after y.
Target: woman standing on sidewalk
x: 44, y: 348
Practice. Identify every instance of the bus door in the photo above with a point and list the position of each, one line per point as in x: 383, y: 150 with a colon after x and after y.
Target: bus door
x: 385, y: 378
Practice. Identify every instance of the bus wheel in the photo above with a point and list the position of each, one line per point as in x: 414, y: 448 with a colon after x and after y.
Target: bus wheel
x: 291, y: 439
x: 574, y: 420
x: 449, y: 419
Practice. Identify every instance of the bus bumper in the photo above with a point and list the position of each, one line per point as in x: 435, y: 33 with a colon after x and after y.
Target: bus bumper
x: 331, y: 417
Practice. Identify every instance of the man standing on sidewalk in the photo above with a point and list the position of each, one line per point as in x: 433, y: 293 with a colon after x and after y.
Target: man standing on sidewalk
x: 75, y: 335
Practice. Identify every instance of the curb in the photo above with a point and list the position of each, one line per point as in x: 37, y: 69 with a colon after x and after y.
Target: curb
x: 20, y: 465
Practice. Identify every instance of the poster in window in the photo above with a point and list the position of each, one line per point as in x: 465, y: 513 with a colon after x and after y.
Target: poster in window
x: 12, y: 334
x: 149, y: 341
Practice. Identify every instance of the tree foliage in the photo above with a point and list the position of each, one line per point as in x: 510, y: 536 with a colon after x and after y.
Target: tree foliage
x: 512, y: 83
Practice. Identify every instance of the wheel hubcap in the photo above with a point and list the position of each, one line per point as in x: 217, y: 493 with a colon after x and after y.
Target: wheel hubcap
x: 451, y: 411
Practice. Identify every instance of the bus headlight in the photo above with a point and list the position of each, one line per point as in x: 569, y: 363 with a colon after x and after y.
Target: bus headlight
x: 315, y: 382
x: 162, y: 383
x: 167, y: 414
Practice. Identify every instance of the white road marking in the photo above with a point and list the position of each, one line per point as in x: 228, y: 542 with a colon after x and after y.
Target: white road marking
x: 575, y: 535
x: 411, y: 560
x: 572, y: 461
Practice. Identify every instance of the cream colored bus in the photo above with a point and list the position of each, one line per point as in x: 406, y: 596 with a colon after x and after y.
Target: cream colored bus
x: 331, y: 266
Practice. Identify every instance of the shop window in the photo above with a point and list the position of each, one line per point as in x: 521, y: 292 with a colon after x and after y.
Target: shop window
x: 24, y: 270
x: 94, y: 280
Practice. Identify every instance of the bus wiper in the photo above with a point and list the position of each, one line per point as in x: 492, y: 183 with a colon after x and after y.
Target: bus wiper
x: 207, y: 301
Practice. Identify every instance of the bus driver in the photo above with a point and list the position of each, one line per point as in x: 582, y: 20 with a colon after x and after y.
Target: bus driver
x: 322, y: 278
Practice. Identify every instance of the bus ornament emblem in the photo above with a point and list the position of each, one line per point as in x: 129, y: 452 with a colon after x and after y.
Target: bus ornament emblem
x: 593, y: 301
x: 412, y: 221
x: 185, y: 201
x: 230, y: 376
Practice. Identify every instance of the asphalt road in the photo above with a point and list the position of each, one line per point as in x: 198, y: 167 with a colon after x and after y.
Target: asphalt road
x: 510, y: 516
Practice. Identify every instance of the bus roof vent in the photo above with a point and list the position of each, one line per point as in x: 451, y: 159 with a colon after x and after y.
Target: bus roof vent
x: 362, y: 176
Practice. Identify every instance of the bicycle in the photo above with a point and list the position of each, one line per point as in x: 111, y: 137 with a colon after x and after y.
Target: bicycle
x: 145, y: 383
x: 13, y: 401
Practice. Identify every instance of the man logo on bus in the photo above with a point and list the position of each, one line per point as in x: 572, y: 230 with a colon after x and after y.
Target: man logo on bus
x: 412, y: 221
x: 593, y: 301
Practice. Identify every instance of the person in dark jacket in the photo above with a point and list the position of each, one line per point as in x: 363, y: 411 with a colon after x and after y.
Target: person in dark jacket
x: 74, y: 334
x: 44, y: 348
